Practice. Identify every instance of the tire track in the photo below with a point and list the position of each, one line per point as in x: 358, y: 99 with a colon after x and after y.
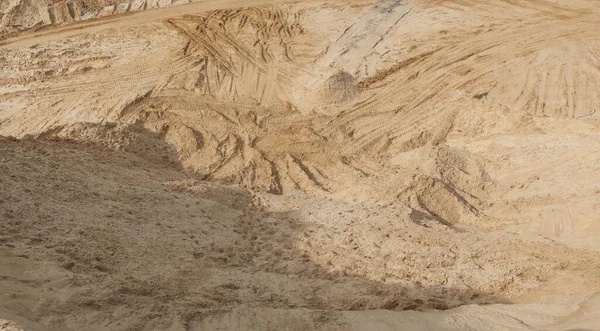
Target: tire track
x: 436, y: 72
x: 128, y: 19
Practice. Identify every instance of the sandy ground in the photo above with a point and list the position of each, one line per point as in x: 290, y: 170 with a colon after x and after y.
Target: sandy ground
x: 263, y: 165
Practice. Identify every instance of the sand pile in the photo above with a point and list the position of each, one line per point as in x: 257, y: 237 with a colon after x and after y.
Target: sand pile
x: 339, y: 88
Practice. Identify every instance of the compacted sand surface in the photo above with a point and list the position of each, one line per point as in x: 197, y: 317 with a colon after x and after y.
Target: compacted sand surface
x: 308, y: 165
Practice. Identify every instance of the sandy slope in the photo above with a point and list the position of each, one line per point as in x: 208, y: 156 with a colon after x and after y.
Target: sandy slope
x: 343, y: 163
x: 102, y: 239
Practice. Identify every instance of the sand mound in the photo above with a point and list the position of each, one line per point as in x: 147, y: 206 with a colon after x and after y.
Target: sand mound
x: 339, y: 88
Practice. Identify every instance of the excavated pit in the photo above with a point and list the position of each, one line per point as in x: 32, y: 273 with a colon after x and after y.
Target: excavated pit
x: 203, y: 166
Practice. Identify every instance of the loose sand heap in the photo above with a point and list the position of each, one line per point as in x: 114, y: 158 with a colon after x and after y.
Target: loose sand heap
x: 367, y: 165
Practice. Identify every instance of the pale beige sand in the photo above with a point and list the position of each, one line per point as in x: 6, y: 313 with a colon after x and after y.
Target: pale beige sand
x: 369, y: 165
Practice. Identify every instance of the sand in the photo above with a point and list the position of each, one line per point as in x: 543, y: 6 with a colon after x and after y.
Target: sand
x: 261, y: 165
